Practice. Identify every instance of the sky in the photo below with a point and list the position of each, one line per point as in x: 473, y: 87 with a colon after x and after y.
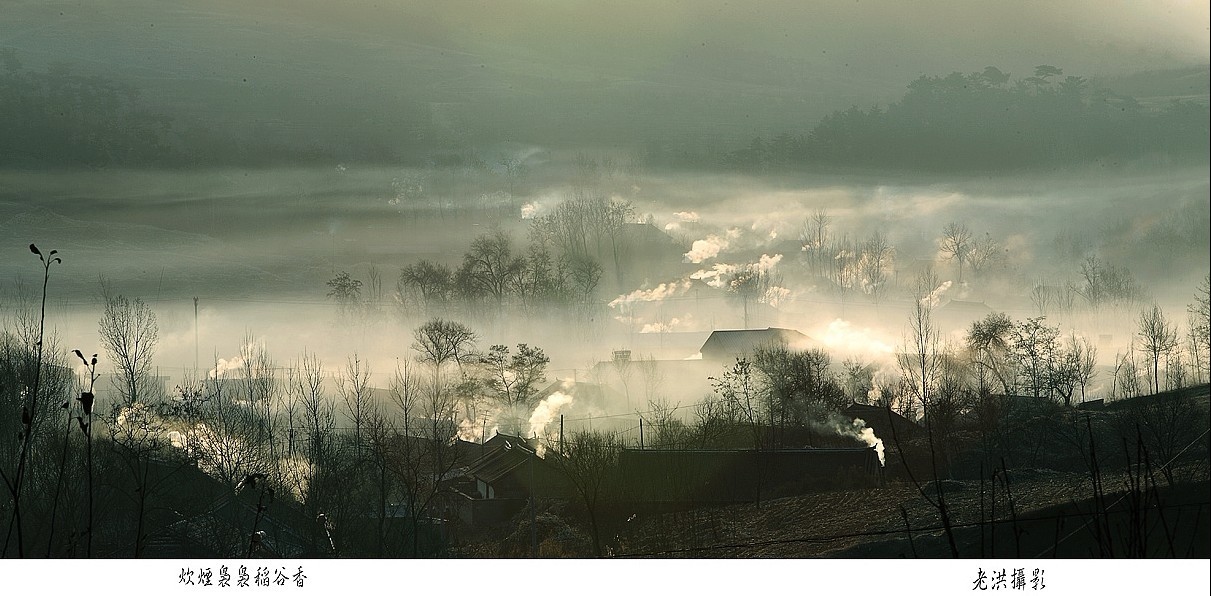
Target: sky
x: 556, y: 69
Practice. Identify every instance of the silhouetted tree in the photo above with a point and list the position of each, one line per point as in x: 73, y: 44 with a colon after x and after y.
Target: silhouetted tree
x: 989, y: 343
x: 1200, y: 329
x: 129, y: 333
x: 490, y: 268
x: 430, y: 282
x: 514, y: 380
x: 345, y: 290
x: 956, y: 242
x: 1157, y: 338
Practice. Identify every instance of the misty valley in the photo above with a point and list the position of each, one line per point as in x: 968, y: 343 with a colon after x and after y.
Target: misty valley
x: 406, y: 282
x: 603, y: 362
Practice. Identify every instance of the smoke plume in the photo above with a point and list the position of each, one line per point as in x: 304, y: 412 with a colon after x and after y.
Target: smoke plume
x: 660, y: 292
x: 708, y: 248
x: 856, y: 429
x: 935, y: 297
x: 546, y: 411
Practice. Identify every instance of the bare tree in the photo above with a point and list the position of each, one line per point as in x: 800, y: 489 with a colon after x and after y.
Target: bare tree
x: 1037, y: 352
x: 261, y: 390
x: 314, y: 480
x: 374, y: 279
x: 585, y: 273
x: 875, y: 265
x: 424, y: 453
x: 439, y: 342
x: 1082, y: 358
x: 989, y: 344
x: 515, y: 379
x: 750, y: 283
x: 490, y: 267
x: 814, y: 238
x: 1105, y: 283
x: 1126, y: 381
x: 354, y: 388
x: 129, y: 333
x: 223, y: 432
x: 317, y: 411
x: 346, y: 291
x: 1200, y: 330
x: 1074, y: 367
x: 738, y: 393
x: 920, y: 360
x: 956, y: 242
x: 922, y: 363
x: 1157, y: 338
x: 985, y: 253
x: 844, y: 264
x: 618, y: 214
x: 429, y: 283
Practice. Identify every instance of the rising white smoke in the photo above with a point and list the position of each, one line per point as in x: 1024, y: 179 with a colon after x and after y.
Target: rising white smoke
x: 774, y: 295
x: 716, y: 275
x: 530, y: 210
x: 546, y: 411
x: 667, y: 326
x: 707, y: 248
x: 477, y: 432
x: 857, y: 429
x: 935, y: 297
x: 767, y: 263
x: 686, y: 216
x: 656, y: 294
x: 224, y: 365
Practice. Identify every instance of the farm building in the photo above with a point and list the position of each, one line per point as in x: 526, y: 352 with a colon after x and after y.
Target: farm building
x: 728, y: 344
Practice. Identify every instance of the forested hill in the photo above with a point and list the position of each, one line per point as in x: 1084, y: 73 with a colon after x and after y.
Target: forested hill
x: 990, y: 121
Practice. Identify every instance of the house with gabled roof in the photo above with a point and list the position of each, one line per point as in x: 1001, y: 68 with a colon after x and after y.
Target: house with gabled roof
x: 728, y: 344
x: 887, y: 424
x: 502, y: 480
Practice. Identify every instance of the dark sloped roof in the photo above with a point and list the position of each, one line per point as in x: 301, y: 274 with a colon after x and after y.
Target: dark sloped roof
x: 500, y: 460
x: 882, y: 420
x: 726, y: 342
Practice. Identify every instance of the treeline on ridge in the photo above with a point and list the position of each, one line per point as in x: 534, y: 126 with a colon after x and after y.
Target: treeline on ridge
x: 984, y: 120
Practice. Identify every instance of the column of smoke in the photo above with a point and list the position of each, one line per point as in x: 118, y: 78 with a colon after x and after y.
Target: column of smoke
x: 537, y: 421
x: 934, y: 299
x: 544, y: 413
x: 856, y: 428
